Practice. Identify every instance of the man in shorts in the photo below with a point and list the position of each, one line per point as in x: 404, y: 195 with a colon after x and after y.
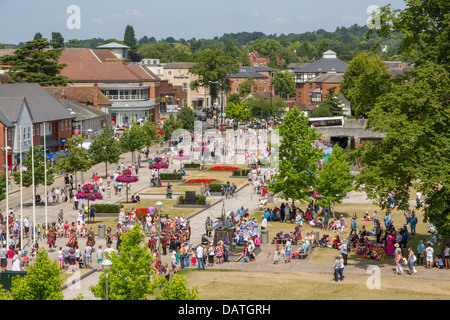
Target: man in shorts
x: 3, y: 258
x: 429, y: 256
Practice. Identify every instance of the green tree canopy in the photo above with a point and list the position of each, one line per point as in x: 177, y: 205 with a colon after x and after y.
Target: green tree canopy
x: 332, y: 102
x: 334, y: 180
x: 105, y: 148
x: 213, y: 68
x: 187, y: 118
x: 247, y: 86
x: 284, y: 84
x: 298, y: 158
x: 42, y: 282
x: 58, y: 39
x: 34, y: 62
x: 129, y: 38
x: 132, y: 276
x: 134, y: 138
x: 238, y: 111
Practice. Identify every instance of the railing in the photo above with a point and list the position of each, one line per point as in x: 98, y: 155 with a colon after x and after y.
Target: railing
x: 126, y: 97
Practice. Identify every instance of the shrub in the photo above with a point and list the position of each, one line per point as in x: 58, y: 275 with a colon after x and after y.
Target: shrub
x: 241, y: 172
x: 208, y: 181
x: 191, y: 165
x: 170, y: 176
x: 199, y: 200
x: 107, y: 208
x: 223, y: 168
x: 215, y: 187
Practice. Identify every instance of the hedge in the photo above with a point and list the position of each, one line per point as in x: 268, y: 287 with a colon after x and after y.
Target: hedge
x: 107, y: 208
x: 215, y: 187
x: 171, y: 176
x: 191, y: 165
x: 241, y: 172
x: 199, y: 200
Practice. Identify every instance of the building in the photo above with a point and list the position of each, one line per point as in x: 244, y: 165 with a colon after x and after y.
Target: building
x: 257, y: 61
x: 262, y: 77
x: 397, y: 68
x: 154, y: 66
x: 29, y: 108
x: 119, y: 50
x: 313, y: 80
x: 178, y: 75
x: 132, y: 89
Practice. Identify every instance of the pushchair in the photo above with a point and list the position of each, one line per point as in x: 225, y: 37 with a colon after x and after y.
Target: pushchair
x: 323, y: 241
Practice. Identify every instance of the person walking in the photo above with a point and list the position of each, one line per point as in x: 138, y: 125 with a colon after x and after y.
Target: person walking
x: 411, y: 259
x: 336, y: 266
x: 447, y: 256
x: 344, y: 251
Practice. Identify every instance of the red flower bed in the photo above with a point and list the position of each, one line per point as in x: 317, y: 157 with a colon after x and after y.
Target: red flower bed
x: 208, y: 181
x: 223, y: 168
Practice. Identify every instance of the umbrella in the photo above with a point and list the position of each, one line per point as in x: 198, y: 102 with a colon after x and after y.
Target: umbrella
x: 231, y: 213
x: 160, y: 132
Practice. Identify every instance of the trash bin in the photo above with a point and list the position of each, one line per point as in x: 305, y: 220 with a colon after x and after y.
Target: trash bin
x: 101, y: 230
x: 6, y: 278
x: 264, y: 236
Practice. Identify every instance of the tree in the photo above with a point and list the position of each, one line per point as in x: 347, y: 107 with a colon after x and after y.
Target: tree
x: 39, y: 170
x: 284, y: 83
x: 298, y: 157
x: 176, y: 289
x: 34, y: 62
x: 2, y: 186
x: 423, y: 26
x: 37, y: 36
x: 42, y: 282
x: 261, y: 108
x: 187, y: 118
x: 105, y: 148
x: 234, y: 97
x: 132, y: 276
x: 332, y: 102
x: 129, y: 38
x: 76, y: 159
x: 334, y: 180
x: 213, y: 68
x: 322, y: 110
x: 414, y: 116
x: 170, y: 126
x: 151, y: 133
x: 163, y: 51
x: 246, y: 87
x: 238, y: 111
x: 133, y: 139
x: 365, y: 79
x: 58, y: 39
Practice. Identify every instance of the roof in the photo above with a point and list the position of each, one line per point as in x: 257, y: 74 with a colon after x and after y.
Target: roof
x: 6, y: 52
x: 328, y: 78
x: 113, y: 45
x: 296, y: 65
x: 86, y: 95
x: 94, y: 65
x: 42, y: 106
x: 10, y: 110
x: 82, y: 112
x: 258, y: 69
x: 328, y: 64
x: 246, y: 72
x: 4, y: 79
x: 128, y: 105
x: 179, y: 65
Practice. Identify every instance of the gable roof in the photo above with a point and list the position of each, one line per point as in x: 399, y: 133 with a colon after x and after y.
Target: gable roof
x: 86, y: 95
x: 82, y: 111
x: 10, y: 108
x: 95, y: 65
x: 246, y: 72
x: 42, y: 106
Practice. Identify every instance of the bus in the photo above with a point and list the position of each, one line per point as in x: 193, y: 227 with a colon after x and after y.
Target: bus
x: 326, y: 122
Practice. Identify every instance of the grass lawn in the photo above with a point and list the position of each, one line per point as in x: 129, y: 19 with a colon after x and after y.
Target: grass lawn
x: 167, y: 207
x: 181, y: 187
x: 271, y: 285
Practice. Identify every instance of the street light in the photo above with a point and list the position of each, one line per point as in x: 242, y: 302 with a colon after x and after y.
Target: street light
x: 107, y: 265
x: 5, y: 150
x: 159, y: 204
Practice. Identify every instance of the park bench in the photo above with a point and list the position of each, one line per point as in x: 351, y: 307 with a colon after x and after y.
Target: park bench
x: 306, y: 253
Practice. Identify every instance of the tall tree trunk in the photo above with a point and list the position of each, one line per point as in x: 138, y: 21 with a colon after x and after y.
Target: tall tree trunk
x: 106, y: 168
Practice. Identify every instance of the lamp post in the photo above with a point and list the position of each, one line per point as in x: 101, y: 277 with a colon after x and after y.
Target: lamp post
x: 5, y: 150
x: 107, y: 265
x: 159, y: 204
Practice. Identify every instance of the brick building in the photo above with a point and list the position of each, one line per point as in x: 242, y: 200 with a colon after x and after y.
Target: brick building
x: 262, y: 79
x: 28, y: 108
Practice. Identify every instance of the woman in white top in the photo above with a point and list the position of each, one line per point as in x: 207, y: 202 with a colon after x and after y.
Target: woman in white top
x: 61, y: 258
x: 16, y: 262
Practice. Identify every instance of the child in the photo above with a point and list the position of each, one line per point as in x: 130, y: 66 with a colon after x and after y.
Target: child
x: 194, y: 259
x: 99, y: 258
x: 438, y: 263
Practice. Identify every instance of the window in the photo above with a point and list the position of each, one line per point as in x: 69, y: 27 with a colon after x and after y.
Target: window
x: 67, y: 124
x: 28, y: 133
x: 62, y: 125
x: 310, y: 85
x: 299, y: 94
x: 236, y: 90
x: 169, y: 73
x: 237, y: 80
x: 9, y: 134
x: 185, y: 86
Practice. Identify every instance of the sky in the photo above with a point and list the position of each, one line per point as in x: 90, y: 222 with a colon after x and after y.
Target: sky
x: 20, y: 20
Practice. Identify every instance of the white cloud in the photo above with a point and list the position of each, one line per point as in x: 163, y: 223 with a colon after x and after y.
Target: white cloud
x: 127, y: 13
x: 303, y: 18
x: 255, y: 13
x: 277, y: 21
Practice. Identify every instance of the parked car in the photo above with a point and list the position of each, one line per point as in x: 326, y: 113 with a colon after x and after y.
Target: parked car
x: 119, y: 130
